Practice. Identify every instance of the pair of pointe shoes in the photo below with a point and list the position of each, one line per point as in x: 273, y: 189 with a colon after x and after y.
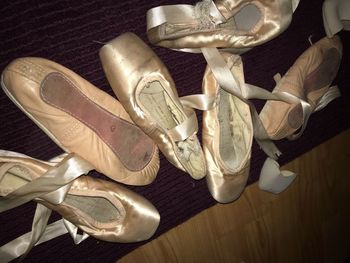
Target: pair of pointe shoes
x: 235, y: 27
x: 228, y: 129
x: 82, y: 119
x: 98, y: 132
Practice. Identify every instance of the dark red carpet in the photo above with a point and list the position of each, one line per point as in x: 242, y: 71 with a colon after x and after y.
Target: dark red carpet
x: 71, y: 32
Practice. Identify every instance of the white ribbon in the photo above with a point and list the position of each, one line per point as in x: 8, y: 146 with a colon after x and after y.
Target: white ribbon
x: 185, y: 129
x: 198, y: 101
x: 332, y: 93
x: 272, y: 179
x: 182, y: 14
x: 21, y: 245
x: 295, y: 4
x: 51, y: 186
x: 73, y: 231
x: 190, y: 125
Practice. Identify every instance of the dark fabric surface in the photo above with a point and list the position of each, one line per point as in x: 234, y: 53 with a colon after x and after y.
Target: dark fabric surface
x: 71, y: 32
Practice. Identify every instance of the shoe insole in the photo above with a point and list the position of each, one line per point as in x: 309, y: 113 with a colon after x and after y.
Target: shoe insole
x: 325, y: 73
x: 234, y: 132
x: 132, y: 146
x: 247, y: 17
x: 97, y: 208
x: 161, y: 106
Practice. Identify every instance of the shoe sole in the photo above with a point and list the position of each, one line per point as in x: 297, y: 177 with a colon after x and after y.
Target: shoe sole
x: 43, y: 128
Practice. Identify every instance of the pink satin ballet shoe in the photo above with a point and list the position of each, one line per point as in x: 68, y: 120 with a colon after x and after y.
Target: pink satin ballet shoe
x: 309, y: 80
x: 227, y: 137
x: 81, y: 118
x: 102, y: 209
x: 230, y: 24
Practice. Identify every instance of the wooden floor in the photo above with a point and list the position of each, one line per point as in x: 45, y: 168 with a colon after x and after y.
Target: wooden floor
x: 309, y: 222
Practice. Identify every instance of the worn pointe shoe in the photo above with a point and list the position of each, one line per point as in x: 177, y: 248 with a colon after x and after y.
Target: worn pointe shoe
x: 227, y: 137
x: 336, y: 16
x: 145, y: 88
x: 237, y: 25
x: 81, y: 118
x: 309, y: 79
x: 102, y: 209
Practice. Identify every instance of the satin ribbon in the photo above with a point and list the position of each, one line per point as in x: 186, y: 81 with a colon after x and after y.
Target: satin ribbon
x: 332, y: 93
x: 272, y: 179
x: 20, y: 246
x: 198, y: 101
x: 228, y: 82
x: 185, y: 129
x: 182, y: 14
x: 51, y: 187
x: 190, y: 125
x: 295, y: 4
x: 175, y: 13
x: 73, y: 231
x: 41, y: 217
